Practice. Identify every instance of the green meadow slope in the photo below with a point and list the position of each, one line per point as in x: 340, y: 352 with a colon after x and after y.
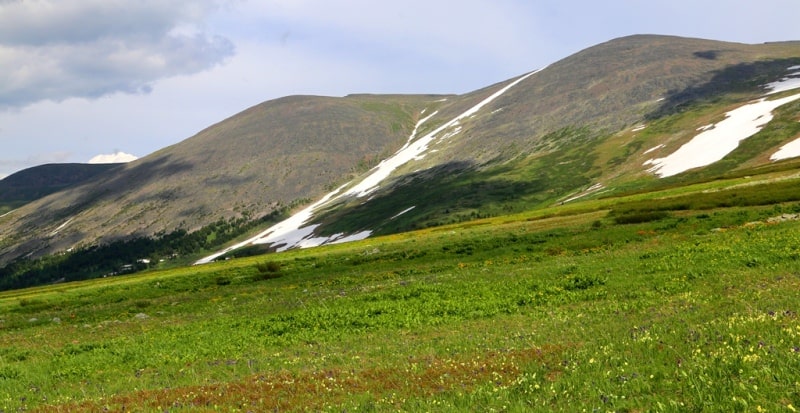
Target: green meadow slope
x: 681, y: 299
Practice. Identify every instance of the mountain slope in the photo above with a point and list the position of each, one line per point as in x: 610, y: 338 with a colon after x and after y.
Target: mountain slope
x: 274, y: 154
x: 580, y: 126
x: 39, y: 181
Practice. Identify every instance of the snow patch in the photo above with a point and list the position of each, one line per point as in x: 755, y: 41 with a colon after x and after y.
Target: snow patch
x: 308, y: 242
x: 638, y: 128
x: 358, y: 236
x: 713, y: 144
x: 783, y: 85
x: 790, y: 150
x: 791, y: 81
x: 705, y: 128
x: 285, y: 233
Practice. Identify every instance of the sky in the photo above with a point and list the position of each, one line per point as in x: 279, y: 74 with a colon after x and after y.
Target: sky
x: 87, y: 79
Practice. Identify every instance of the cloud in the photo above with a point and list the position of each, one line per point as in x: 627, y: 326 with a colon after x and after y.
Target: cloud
x: 116, y: 157
x: 92, y: 48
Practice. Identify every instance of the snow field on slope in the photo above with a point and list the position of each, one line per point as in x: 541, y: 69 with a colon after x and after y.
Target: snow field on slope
x: 716, y: 141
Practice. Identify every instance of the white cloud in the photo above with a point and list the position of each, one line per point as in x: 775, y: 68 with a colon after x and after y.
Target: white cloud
x: 116, y: 157
x: 92, y: 48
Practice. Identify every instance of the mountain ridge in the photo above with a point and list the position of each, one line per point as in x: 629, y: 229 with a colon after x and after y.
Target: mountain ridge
x: 38, y: 181
x: 555, y: 135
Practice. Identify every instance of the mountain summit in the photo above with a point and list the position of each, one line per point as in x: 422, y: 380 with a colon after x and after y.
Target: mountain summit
x: 374, y: 164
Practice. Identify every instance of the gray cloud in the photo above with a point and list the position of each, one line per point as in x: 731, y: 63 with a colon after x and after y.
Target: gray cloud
x: 91, y: 48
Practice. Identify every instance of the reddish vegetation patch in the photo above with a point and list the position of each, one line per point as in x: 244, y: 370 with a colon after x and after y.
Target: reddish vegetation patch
x: 286, y: 391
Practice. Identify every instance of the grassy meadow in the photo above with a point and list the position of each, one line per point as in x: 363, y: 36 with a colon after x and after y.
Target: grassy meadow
x: 685, y: 299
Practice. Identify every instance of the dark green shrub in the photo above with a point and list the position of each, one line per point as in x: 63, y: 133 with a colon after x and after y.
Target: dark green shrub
x: 638, y: 217
x: 267, y: 270
x: 579, y: 282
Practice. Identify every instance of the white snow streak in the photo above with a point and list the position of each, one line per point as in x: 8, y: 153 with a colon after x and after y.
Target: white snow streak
x: 402, y: 212
x: 416, y: 149
x: 653, y: 148
x: 291, y: 233
x: 60, y: 227
x: 588, y: 191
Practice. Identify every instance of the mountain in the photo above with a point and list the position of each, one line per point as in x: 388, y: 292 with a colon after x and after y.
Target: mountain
x: 583, y: 126
x: 39, y: 181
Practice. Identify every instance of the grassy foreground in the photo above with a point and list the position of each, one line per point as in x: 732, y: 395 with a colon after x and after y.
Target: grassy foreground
x: 657, y: 305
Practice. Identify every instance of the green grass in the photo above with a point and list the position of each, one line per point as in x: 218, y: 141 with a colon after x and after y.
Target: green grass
x: 564, y: 309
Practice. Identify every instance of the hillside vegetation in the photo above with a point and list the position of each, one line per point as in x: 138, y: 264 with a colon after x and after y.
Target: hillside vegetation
x: 681, y: 299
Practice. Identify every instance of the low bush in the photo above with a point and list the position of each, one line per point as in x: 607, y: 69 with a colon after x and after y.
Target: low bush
x: 638, y: 217
x: 267, y: 270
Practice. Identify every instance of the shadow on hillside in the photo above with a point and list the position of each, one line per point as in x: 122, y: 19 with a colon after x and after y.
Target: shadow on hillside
x: 740, y: 78
x: 449, y: 193
x: 707, y: 54
x: 107, y: 189
x: 39, y: 181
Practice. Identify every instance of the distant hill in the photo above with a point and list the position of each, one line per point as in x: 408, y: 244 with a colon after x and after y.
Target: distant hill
x: 271, y: 156
x: 39, y: 181
x: 582, y: 126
